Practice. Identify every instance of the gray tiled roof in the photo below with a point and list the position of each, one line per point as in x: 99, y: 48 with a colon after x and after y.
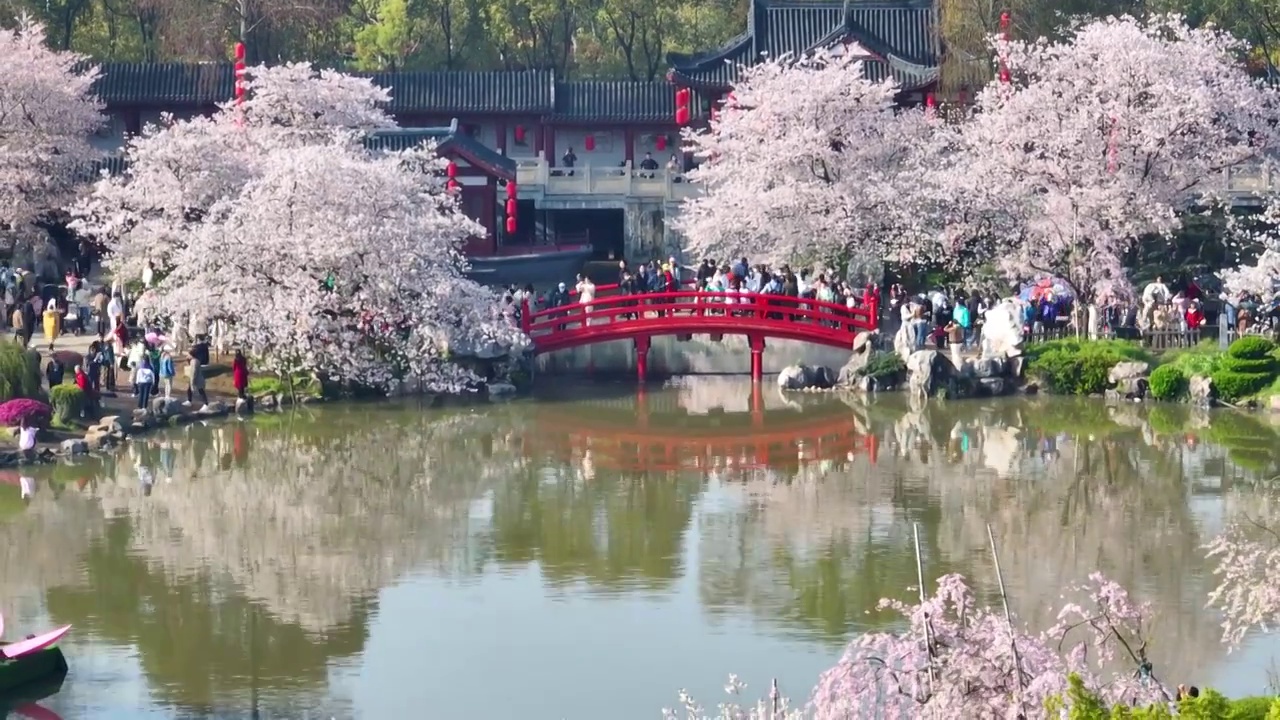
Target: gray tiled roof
x: 527, y: 92
x: 617, y: 101
x: 903, y: 33
x: 168, y: 84
x: 449, y: 141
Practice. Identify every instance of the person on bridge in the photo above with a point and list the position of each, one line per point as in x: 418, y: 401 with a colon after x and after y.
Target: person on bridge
x: 627, y: 286
x: 586, y: 295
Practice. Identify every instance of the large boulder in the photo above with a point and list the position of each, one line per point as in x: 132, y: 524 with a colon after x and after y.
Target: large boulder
x: 1201, y: 391
x: 1128, y: 380
x: 1128, y: 370
x: 805, y: 377
x: 904, y: 341
x: 164, y: 407
x: 863, y: 349
x: 1002, y: 329
x: 920, y: 371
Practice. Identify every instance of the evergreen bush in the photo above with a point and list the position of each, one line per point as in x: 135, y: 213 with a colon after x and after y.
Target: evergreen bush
x: 20, y: 375
x: 1231, y: 363
x: 1233, y: 386
x: 68, y: 403
x: 1079, y: 367
x: 1167, y: 382
x: 1251, y: 347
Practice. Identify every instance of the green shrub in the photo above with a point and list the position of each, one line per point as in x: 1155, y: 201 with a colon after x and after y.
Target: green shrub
x: 68, y: 403
x: 1167, y: 382
x: 1202, y: 359
x: 1265, y: 364
x: 1079, y: 367
x: 1233, y: 386
x: 884, y: 365
x: 20, y: 375
x: 1251, y: 347
x: 1210, y: 705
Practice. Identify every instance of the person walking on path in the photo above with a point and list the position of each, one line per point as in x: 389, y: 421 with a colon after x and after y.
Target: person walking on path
x: 167, y: 372
x: 52, y: 322
x: 240, y: 374
x: 197, y: 357
x: 144, y: 380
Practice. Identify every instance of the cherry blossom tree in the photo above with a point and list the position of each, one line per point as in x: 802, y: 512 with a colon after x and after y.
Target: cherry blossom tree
x: 316, y: 254
x: 1259, y: 232
x: 957, y: 658
x: 47, y: 116
x: 1247, y: 566
x: 178, y: 169
x: 1100, y: 138
x: 807, y: 160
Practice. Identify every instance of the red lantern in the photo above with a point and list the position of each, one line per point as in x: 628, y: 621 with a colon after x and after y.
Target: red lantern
x: 929, y: 102
x: 660, y: 142
x: 511, y: 207
x: 451, y: 170
x: 682, y: 116
x: 452, y: 186
x: 1004, y: 75
x: 683, y: 96
x: 511, y: 226
x: 519, y: 133
x: 590, y: 142
x: 511, y: 189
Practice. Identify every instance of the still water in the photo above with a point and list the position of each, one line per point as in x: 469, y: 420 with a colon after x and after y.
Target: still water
x: 588, y: 553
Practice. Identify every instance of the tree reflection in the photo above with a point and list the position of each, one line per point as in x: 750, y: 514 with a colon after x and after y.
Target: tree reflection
x: 612, y: 531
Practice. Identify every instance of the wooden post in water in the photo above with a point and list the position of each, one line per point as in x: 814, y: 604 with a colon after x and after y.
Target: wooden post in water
x: 1008, y: 617
x: 928, y: 634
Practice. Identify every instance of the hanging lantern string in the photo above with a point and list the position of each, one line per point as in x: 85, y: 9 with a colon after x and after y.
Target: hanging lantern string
x: 240, y: 72
x: 1003, y: 55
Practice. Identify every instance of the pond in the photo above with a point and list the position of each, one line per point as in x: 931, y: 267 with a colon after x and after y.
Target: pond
x: 589, y: 552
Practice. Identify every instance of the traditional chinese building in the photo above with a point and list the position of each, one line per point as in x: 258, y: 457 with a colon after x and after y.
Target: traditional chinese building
x: 525, y: 126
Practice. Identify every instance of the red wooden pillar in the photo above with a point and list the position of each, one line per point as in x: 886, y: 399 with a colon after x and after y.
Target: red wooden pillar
x: 549, y: 144
x: 757, y: 357
x: 642, y: 356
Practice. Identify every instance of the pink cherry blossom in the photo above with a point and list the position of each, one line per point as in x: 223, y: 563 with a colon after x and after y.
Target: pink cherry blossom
x: 1101, y: 138
x: 956, y: 658
x: 808, y: 159
x: 47, y: 115
x: 316, y: 254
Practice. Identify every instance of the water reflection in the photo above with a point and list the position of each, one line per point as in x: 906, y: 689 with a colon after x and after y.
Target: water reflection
x: 251, y: 565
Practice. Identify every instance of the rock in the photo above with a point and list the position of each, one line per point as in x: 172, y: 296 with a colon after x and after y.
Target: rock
x: 794, y: 377
x: 217, y: 407
x: 501, y: 389
x: 992, y: 386
x: 266, y: 402
x: 904, y: 341
x: 1127, y: 370
x: 1014, y: 367
x: 823, y: 378
x: 920, y: 371
x: 1002, y: 330
x: 243, y: 407
x: 107, y: 425
x: 866, y: 384
x: 142, y: 417
x: 164, y: 407
x: 75, y: 447
x: 989, y: 367
x: 1201, y: 391
x: 863, y: 350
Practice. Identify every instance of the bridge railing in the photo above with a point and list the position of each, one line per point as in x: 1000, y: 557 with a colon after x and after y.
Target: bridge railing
x: 722, y: 309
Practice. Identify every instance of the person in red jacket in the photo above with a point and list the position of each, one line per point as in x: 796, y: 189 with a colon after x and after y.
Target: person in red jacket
x: 1195, y: 316
x: 82, y: 382
x: 240, y: 374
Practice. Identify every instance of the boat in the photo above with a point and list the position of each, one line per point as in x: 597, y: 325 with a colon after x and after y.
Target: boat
x: 32, y: 661
x: 537, y: 265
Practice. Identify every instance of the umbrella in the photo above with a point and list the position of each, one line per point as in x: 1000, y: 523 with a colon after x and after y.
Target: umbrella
x: 1044, y: 286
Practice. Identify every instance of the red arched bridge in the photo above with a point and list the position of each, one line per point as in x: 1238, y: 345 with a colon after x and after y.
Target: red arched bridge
x: 685, y: 313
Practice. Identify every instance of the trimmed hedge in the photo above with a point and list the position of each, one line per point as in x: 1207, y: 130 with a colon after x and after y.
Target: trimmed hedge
x: 1167, y: 382
x: 34, y: 412
x: 1231, y: 363
x: 1251, y: 347
x: 1232, y: 386
x: 68, y: 403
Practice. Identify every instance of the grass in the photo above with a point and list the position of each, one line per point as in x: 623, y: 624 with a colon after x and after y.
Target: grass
x: 303, y: 386
x: 1201, y: 359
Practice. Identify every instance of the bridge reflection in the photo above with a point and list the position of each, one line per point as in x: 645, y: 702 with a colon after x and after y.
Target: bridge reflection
x: 650, y: 433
